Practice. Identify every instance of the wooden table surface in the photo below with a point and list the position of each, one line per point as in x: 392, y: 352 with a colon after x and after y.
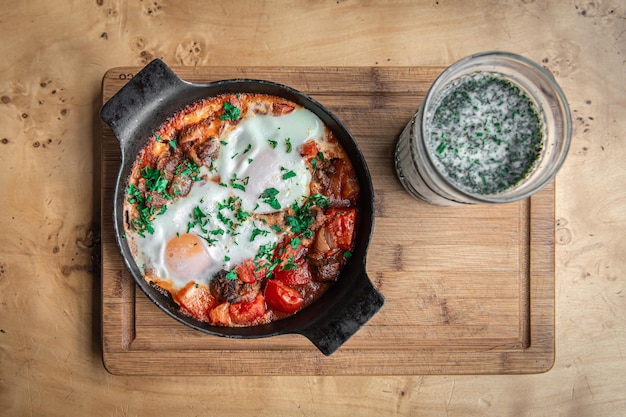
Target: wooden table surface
x: 54, y: 55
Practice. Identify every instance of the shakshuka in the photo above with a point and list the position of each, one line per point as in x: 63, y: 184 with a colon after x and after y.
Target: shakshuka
x: 243, y: 208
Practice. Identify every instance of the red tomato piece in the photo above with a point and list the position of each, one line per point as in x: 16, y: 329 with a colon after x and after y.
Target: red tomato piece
x: 282, y: 297
x: 291, y: 250
x: 279, y: 109
x: 340, y: 224
x: 293, y: 268
x: 296, y: 274
x: 220, y: 315
x: 196, y: 300
x: 247, y: 313
x: 245, y: 272
x: 308, y: 150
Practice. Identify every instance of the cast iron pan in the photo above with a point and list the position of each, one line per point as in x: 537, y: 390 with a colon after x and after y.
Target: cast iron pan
x: 154, y: 95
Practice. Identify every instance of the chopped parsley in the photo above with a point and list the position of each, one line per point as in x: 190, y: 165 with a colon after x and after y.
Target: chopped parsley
x: 140, y: 224
x: 290, y: 264
x: 188, y: 168
x: 228, y: 203
x: 265, y: 259
x: 239, y: 183
x: 155, y: 179
x: 258, y: 232
x: 241, y: 215
x: 160, y: 139
x: 287, y: 173
x: 266, y: 252
x: 226, y: 221
x: 199, y: 219
x: 295, y: 242
x: 302, y: 219
x: 230, y: 112
x: 134, y: 195
x: 208, y: 240
x: 269, y: 197
x: 156, y: 183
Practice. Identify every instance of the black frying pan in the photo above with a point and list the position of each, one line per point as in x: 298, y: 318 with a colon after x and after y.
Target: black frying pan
x: 154, y: 95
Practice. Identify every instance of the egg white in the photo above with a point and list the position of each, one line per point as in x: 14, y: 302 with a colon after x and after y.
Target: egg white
x: 260, y: 153
x: 261, y: 150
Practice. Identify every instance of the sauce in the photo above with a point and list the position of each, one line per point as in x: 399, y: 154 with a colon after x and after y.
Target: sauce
x: 485, y: 134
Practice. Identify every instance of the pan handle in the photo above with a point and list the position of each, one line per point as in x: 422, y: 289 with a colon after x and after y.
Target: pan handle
x: 336, y: 327
x: 133, y: 110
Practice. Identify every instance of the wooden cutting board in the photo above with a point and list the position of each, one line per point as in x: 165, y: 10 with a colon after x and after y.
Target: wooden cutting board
x: 469, y: 290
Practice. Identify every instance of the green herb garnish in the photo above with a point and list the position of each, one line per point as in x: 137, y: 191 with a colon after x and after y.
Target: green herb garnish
x: 239, y: 183
x: 258, y: 232
x: 269, y: 197
x: 289, y: 174
x: 302, y: 219
x: 290, y: 264
x: 155, y: 179
x: 295, y: 242
x: 156, y: 184
x: 230, y: 112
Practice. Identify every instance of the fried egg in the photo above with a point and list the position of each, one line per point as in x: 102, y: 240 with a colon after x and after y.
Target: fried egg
x: 261, y: 154
x: 216, y: 226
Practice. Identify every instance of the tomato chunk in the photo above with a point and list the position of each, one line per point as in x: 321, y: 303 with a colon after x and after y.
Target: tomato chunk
x: 340, y: 225
x: 279, y: 109
x: 196, y: 300
x: 294, y: 274
x: 293, y: 268
x: 220, y: 315
x: 281, y: 297
x: 308, y: 150
x: 245, y: 272
x: 247, y: 313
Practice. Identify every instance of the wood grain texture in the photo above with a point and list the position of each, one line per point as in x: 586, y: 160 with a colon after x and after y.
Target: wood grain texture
x: 54, y: 56
x: 469, y: 290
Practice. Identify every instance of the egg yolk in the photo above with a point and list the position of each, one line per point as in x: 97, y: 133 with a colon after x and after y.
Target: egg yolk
x: 185, y: 256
